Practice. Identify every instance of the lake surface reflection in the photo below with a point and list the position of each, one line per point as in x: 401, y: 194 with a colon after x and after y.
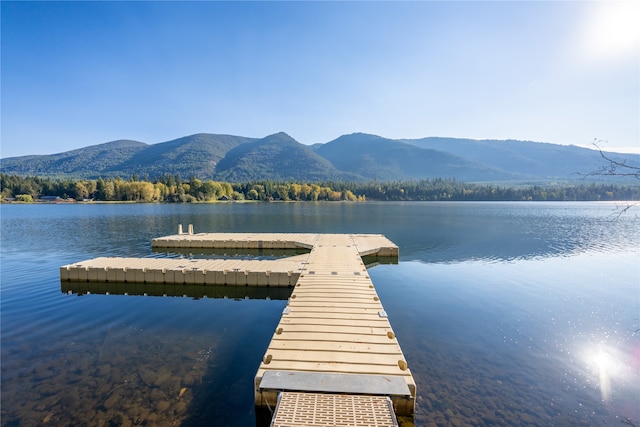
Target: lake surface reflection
x: 508, y: 314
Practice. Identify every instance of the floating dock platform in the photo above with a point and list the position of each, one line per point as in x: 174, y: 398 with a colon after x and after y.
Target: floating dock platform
x: 334, y: 337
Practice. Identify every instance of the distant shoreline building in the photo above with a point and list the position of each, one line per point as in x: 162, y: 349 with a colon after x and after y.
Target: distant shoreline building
x: 55, y: 199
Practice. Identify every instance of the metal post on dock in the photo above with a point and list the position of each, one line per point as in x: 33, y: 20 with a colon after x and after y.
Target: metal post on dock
x: 180, y: 229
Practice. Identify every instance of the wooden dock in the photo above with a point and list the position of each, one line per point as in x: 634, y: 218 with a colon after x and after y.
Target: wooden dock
x: 334, y: 336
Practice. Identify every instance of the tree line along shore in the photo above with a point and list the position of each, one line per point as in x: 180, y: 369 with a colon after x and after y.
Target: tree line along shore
x: 171, y: 188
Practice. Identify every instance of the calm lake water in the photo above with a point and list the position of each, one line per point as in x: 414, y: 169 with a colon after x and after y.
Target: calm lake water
x: 508, y: 314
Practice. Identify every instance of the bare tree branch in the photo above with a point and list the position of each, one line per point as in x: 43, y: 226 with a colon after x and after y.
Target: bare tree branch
x: 613, y: 167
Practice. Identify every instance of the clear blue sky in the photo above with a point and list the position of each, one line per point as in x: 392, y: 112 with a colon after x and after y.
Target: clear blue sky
x: 82, y: 73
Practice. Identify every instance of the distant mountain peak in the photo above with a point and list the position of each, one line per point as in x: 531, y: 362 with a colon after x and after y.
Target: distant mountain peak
x: 279, y: 136
x: 361, y: 135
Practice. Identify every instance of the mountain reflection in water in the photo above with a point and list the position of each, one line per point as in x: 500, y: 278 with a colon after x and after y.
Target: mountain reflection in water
x: 508, y: 313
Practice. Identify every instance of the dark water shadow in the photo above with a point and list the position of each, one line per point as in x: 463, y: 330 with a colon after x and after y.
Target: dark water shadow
x: 177, y: 290
x: 225, y: 395
x: 242, y: 253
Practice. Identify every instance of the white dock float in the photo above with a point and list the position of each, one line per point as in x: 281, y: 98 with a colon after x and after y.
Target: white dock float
x: 280, y: 272
x: 334, y: 336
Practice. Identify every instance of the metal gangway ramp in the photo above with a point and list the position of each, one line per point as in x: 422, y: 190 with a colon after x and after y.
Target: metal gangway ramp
x: 321, y: 410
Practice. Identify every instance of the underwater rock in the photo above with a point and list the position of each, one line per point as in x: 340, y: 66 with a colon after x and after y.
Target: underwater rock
x: 163, y: 405
x: 112, y: 401
x: 191, y: 379
x: 104, y: 370
x: 179, y: 407
x: 162, y: 376
x: 156, y: 395
x: 70, y: 399
x: 147, y: 376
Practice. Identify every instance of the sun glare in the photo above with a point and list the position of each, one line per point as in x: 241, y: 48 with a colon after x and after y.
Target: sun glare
x: 611, y: 31
x: 605, y: 365
x: 604, y: 361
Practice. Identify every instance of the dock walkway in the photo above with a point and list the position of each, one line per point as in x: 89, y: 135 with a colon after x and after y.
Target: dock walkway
x: 334, y: 336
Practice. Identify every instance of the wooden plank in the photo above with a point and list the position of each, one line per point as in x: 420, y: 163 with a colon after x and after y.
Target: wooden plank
x: 314, y: 320
x: 372, y: 317
x: 343, y: 329
x: 354, y: 347
x: 333, y: 357
x: 336, y: 367
x: 342, y: 316
x: 335, y: 293
x: 328, y: 304
x: 331, y: 336
x: 356, y: 298
x: 373, y: 311
x: 330, y: 289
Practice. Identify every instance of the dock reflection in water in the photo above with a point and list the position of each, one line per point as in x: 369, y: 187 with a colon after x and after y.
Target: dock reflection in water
x: 174, y: 290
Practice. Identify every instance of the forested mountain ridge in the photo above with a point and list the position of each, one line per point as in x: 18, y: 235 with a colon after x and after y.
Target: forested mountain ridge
x: 76, y: 163
x: 528, y: 158
x: 277, y: 157
x: 375, y: 157
x: 354, y: 157
x: 195, y: 155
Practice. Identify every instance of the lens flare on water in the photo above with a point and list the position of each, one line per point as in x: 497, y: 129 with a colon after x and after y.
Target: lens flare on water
x: 605, y: 363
